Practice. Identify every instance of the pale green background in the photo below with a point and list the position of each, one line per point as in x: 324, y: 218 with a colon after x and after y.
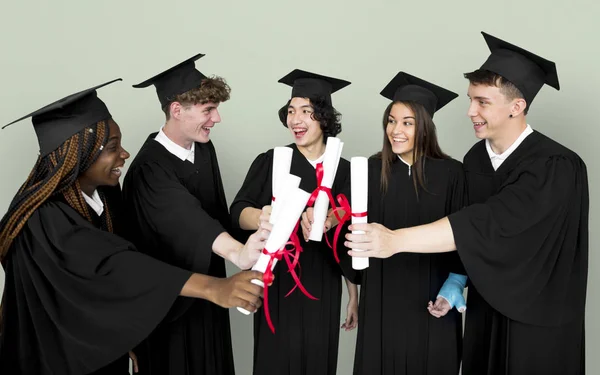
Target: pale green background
x: 49, y: 49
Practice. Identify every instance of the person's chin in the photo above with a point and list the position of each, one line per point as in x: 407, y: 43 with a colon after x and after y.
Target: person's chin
x: 203, y: 139
x: 399, y: 150
x: 481, y: 135
x: 112, y: 181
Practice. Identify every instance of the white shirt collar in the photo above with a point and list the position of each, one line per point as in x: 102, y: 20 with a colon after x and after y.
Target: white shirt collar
x: 175, y: 149
x: 315, y: 162
x: 496, y: 159
x: 94, y: 202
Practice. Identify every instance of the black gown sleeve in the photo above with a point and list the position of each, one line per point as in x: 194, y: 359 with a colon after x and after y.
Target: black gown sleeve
x: 525, y: 248
x: 457, y: 198
x: 256, y: 189
x: 170, y: 213
x: 77, y: 297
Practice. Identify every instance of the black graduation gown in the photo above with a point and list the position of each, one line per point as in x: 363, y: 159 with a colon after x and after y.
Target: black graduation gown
x: 396, y: 333
x: 524, y: 244
x: 306, y: 331
x: 175, y: 211
x: 77, y: 298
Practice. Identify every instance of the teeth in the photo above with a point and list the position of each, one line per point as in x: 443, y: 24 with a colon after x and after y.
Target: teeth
x: 399, y: 140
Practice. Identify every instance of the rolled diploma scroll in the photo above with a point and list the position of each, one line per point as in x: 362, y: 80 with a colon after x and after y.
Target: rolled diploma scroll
x: 293, y: 204
x: 359, y: 176
x: 287, y: 183
x: 333, y: 151
x: 282, y: 161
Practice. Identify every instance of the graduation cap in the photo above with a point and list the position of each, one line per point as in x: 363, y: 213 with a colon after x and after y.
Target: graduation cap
x: 57, y: 122
x: 405, y: 87
x: 305, y: 84
x: 527, y: 71
x: 175, y: 81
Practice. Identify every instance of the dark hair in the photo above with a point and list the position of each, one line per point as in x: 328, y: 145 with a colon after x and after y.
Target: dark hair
x: 426, y: 146
x: 323, y: 112
x: 487, y: 78
x: 54, y: 174
x: 212, y: 89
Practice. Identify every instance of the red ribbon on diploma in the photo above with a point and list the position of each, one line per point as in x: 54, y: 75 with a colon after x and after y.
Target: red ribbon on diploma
x: 313, y: 198
x: 286, y: 254
x: 343, y: 206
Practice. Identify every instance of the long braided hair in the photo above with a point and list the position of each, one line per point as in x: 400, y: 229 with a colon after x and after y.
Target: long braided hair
x: 56, y: 174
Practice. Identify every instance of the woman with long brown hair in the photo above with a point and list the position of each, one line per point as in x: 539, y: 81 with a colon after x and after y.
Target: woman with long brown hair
x: 77, y: 297
x: 411, y: 181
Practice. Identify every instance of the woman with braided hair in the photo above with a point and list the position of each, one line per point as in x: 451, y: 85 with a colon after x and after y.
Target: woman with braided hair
x: 77, y: 297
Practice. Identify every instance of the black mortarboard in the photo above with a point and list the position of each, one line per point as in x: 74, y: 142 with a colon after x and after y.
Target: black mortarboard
x: 405, y: 87
x: 57, y: 122
x: 175, y: 81
x: 524, y: 69
x: 305, y: 84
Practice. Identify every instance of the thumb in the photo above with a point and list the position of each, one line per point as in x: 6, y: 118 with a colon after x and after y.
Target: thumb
x: 461, y: 305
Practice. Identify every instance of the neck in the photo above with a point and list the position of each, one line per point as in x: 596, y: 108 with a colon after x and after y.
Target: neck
x: 87, y: 188
x: 173, y: 132
x: 407, y: 157
x: 504, y: 141
x: 313, y: 151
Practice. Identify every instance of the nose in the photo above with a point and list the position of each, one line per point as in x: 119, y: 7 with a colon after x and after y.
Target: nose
x: 293, y: 118
x: 216, y: 117
x: 397, y: 129
x: 124, y: 154
x: 472, y: 111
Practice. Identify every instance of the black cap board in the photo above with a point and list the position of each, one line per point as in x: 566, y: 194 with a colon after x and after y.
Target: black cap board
x: 174, y: 81
x: 406, y: 87
x: 528, y: 71
x: 306, y: 84
x: 57, y: 122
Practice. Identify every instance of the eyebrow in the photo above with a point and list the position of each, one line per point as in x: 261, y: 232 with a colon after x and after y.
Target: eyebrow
x: 479, y: 97
x: 302, y: 106
x: 114, y: 137
x: 404, y: 118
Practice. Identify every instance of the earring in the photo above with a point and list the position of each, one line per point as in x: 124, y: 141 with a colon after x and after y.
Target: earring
x: 510, y: 116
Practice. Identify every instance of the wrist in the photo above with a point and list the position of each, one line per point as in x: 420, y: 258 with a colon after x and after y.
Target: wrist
x: 250, y: 218
x: 398, y: 235
x: 201, y: 286
x: 237, y: 257
x: 333, y: 220
x: 215, y: 290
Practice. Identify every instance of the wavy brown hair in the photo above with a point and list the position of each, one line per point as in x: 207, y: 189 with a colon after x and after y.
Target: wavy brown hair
x: 56, y: 174
x: 487, y: 78
x: 425, y: 146
x: 214, y: 89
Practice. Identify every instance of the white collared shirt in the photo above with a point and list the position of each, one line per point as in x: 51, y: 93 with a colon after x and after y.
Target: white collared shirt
x: 496, y: 159
x: 175, y: 149
x: 94, y: 202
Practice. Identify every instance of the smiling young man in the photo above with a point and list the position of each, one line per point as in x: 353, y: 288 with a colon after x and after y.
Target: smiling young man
x: 177, y: 212
x: 308, y: 331
x: 524, y: 238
